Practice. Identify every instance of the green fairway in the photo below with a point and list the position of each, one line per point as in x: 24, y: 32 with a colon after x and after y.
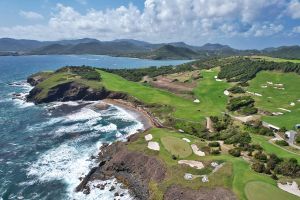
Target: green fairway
x: 177, y: 146
x: 267, y: 58
x: 212, y: 103
x: 273, y: 98
x: 211, y: 93
x: 257, y: 190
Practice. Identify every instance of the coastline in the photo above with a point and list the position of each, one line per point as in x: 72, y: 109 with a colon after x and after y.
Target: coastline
x: 139, y: 112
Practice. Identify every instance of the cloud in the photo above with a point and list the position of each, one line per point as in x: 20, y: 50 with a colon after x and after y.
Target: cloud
x: 83, y: 2
x: 293, y: 9
x: 31, y: 15
x: 161, y: 21
x: 296, y: 29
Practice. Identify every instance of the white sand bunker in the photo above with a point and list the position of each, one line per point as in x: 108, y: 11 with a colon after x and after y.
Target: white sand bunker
x: 290, y: 187
x: 285, y: 109
x: 148, y: 137
x: 292, y: 104
x: 197, y: 151
x: 153, y: 146
x: 226, y: 92
x: 192, y: 163
x: 196, y: 101
x: 187, y: 140
x: 219, y: 80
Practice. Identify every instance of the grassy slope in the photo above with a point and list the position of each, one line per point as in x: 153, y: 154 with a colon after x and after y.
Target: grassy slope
x: 185, y: 108
x: 260, y: 191
x: 267, y: 58
x: 280, y: 98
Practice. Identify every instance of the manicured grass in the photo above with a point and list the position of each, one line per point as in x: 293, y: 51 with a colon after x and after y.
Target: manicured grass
x: 279, y: 98
x: 176, y: 146
x: 257, y: 190
x: 271, y: 148
x: 212, y: 103
x: 211, y: 93
x: 267, y: 58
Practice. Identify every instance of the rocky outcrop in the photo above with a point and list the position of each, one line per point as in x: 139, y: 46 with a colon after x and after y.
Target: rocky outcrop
x: 37, y: 78
x: 176, y: 192
x: 71, y: 91
x: 134, y: 169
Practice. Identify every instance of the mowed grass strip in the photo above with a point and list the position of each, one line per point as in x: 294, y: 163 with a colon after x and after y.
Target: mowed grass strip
x: 272, y: 99
x: 176, y: 146
x: 257, y: 190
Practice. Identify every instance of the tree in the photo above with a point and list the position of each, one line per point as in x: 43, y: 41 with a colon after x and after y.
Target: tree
x: 258, y: 167
x: 236, y: 152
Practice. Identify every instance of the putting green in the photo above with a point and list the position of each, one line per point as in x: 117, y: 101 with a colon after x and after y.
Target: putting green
x: 176, y: 146
x: 257, y: 190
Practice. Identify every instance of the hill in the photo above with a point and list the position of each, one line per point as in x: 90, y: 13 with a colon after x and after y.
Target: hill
x: 171, y: 52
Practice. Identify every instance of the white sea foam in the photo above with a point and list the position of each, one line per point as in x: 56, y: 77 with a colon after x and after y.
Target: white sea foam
x: 84, y: 114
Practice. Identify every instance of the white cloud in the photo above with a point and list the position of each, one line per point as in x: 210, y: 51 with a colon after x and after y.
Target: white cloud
x: 293, y: 9
x: 259, y: 30
x: 83, y: 2
x: 296, y: 29
x: 30, y: 15
x: 160, y: 21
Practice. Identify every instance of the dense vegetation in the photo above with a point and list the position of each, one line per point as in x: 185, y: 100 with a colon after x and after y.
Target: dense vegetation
x: 243, y: 104
x: 244, y: 69
x: 139, y: 73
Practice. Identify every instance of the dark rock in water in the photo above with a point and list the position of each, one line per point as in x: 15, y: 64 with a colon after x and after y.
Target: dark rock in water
x: 87, y: 190
x: 102, y: 106
x: 116, y: 194
x: 112, y: 188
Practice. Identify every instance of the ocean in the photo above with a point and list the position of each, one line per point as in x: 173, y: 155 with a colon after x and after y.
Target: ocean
x: 46, y: 149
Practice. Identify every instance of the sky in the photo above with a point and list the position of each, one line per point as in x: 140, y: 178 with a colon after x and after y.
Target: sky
x: 243, y: 24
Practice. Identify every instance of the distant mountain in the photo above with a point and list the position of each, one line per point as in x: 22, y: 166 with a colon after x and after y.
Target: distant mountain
x: 135, y: 48
x: 8, y: 44
x: 171, y: 52
x: 290, y: 52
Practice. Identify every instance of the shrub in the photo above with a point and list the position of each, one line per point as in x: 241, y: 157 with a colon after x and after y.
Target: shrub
x: 236, y: 152
x: 258, y: 167
x: 215, y: 152
x: 274, y: 177
x: 260, y: 156
x: 281, y: 143
x: 249, y: 110
x: 214, y: 144
x: 282, y: 129
x: 236, y: 90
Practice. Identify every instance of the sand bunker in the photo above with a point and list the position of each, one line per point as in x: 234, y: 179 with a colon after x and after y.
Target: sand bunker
x: 192, y: 163
x: 148, y: 137
x: 196, y: 101
x: 153, y: 146
x: 197, y: 151
x: 187, y: 140
x: 292, y: 104
x: 290, y: 187
x: 285, y: 109
x: 226, y: 92
x: 219, y: 80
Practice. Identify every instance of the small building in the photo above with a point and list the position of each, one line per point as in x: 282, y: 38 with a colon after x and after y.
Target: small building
x: 291, y: 136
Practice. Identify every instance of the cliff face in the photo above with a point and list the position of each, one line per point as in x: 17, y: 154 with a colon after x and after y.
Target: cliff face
x: 68, y: 91
x: 134, y: 169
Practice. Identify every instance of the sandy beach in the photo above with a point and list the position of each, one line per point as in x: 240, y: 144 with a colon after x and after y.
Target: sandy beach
x: 139, y: 113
